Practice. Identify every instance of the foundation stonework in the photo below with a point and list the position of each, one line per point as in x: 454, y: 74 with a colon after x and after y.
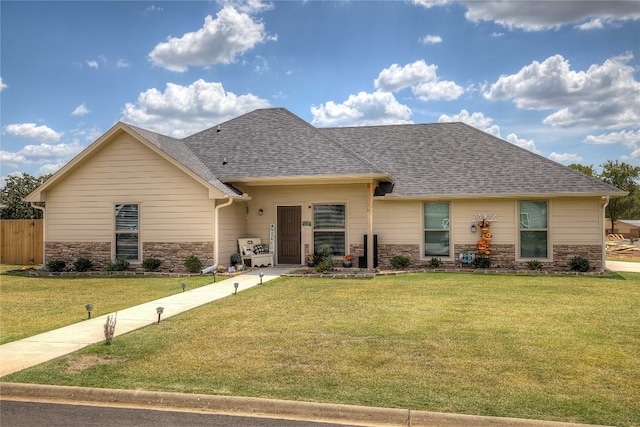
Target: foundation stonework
x: 171, y: 254
x: 503, y: 256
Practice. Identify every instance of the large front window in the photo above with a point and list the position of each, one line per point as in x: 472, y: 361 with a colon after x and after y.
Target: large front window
x: 329, y: 228
x: 533, y: 229
x: 127, y: 229
x: 436, y: 229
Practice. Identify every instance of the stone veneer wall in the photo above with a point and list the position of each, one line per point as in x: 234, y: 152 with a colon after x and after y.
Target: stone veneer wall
x: 503, y: 257
x: 172, y: 254
x: 98, y: 252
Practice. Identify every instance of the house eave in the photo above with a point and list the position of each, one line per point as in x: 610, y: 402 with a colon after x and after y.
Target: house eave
x: 309, y: 180
x: 396, y: 197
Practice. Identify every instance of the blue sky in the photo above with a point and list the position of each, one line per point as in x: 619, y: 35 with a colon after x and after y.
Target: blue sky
x: 559, y: 78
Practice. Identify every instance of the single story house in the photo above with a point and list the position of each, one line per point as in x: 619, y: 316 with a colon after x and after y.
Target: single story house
x: 421, y: 190
x: 629, y: 228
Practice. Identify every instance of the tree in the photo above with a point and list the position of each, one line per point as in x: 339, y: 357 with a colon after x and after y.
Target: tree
x: 587, y: 170
x: 625, y: 177
x: 16, y: 188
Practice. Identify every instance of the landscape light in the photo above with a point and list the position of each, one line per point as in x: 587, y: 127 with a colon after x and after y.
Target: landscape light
x: 235, y: 285
x: 89, y: 308
x: 184, y: 285
x: 159, y: 310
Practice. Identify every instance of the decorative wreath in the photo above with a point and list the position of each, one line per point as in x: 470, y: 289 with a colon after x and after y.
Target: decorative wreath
x: 486, y: 235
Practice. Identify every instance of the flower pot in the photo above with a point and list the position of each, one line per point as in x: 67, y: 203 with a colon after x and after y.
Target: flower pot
x: 347, y: 263
x: 311, y: 263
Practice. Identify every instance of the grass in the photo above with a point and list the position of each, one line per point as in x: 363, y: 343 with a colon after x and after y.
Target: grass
x: 552, y: 348
x: 31, y: 305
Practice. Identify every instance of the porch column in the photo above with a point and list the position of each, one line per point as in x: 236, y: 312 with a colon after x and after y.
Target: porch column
x: 370, y: 225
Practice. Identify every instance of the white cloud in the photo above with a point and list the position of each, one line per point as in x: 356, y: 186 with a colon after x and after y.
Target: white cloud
x: 92, y: 64
x: 219, y: 40
x: 604, y: 96
x: 80, y: 110
x: 363, y: 109
x: 2, y: 85
x: 430, y: 39
x: 182, y: 110
x: 480, y: 121
x: 121, y: 63
x: 43, y: 153
x: 422, y: 79
x: 565, y: 157
x: 545, y: 15
x: 627, y: 137
x: 594, y: 24
x: 431, y: 3
x: 32, y: 131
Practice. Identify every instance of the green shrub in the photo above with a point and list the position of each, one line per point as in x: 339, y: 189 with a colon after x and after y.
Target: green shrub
x: 534, y: 264
x: 119, y: 264
x: 481, y: 261
x: 56, y: 265
x: 192, y: 264
x: 151, y: 264
x: 236, y: 259
x: 324, y: 266
x: 400, y: 262
x: 435, y: 262
x: 82, y: 264
x: 579, y: 263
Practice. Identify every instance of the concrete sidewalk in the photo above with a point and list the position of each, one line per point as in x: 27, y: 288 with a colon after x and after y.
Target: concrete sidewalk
x: 633, y: 267
x: 32, y: 351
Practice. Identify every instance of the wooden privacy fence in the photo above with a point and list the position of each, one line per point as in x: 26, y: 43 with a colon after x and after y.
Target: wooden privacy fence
x: 21, y: 241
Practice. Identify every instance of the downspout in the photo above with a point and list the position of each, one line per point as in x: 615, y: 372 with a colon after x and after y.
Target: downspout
x: 604, y: 232
x: 216, y: 231
x: 44, y: 231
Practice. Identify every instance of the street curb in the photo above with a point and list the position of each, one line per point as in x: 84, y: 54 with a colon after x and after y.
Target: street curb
x: 252, y: 406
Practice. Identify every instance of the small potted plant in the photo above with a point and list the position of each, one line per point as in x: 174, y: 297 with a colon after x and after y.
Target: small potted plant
x: 311, y: 260
x: 347, y: 260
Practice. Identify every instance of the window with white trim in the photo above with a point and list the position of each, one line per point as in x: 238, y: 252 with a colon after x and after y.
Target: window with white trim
x: 329, y: 228
x: 534, y: 231
x: 436, y: 229
x: 127, y: 231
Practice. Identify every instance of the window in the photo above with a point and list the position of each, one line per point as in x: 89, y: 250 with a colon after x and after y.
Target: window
x: 436, y: 229
x: 127, y: 229
x: 533, y: 230
x: 329, y: 228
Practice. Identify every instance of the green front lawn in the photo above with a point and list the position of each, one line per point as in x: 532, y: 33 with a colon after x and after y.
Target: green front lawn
x: 31, y: 305
x: 554, y: 348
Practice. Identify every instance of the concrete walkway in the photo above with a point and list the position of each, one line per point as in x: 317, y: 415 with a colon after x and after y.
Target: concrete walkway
x: 633, y: 267
x: 18, y: 355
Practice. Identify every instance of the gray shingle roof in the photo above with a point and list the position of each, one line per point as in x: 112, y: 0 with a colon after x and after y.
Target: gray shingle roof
x: 455, y: 159
x: 423, y: 160
x: 273, y: 142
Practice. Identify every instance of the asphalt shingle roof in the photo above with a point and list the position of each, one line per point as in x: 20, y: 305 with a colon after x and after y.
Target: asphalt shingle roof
x: 271, y: 143
x: 422, y: 160
x: 456, y: 159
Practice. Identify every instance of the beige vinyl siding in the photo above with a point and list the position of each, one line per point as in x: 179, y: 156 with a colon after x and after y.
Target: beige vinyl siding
x: 576, y: 221
x: 398, y: 222
x: 173, y: 206
x: 233, y: 225
x: 268, y: 198
x: 504, y: 229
